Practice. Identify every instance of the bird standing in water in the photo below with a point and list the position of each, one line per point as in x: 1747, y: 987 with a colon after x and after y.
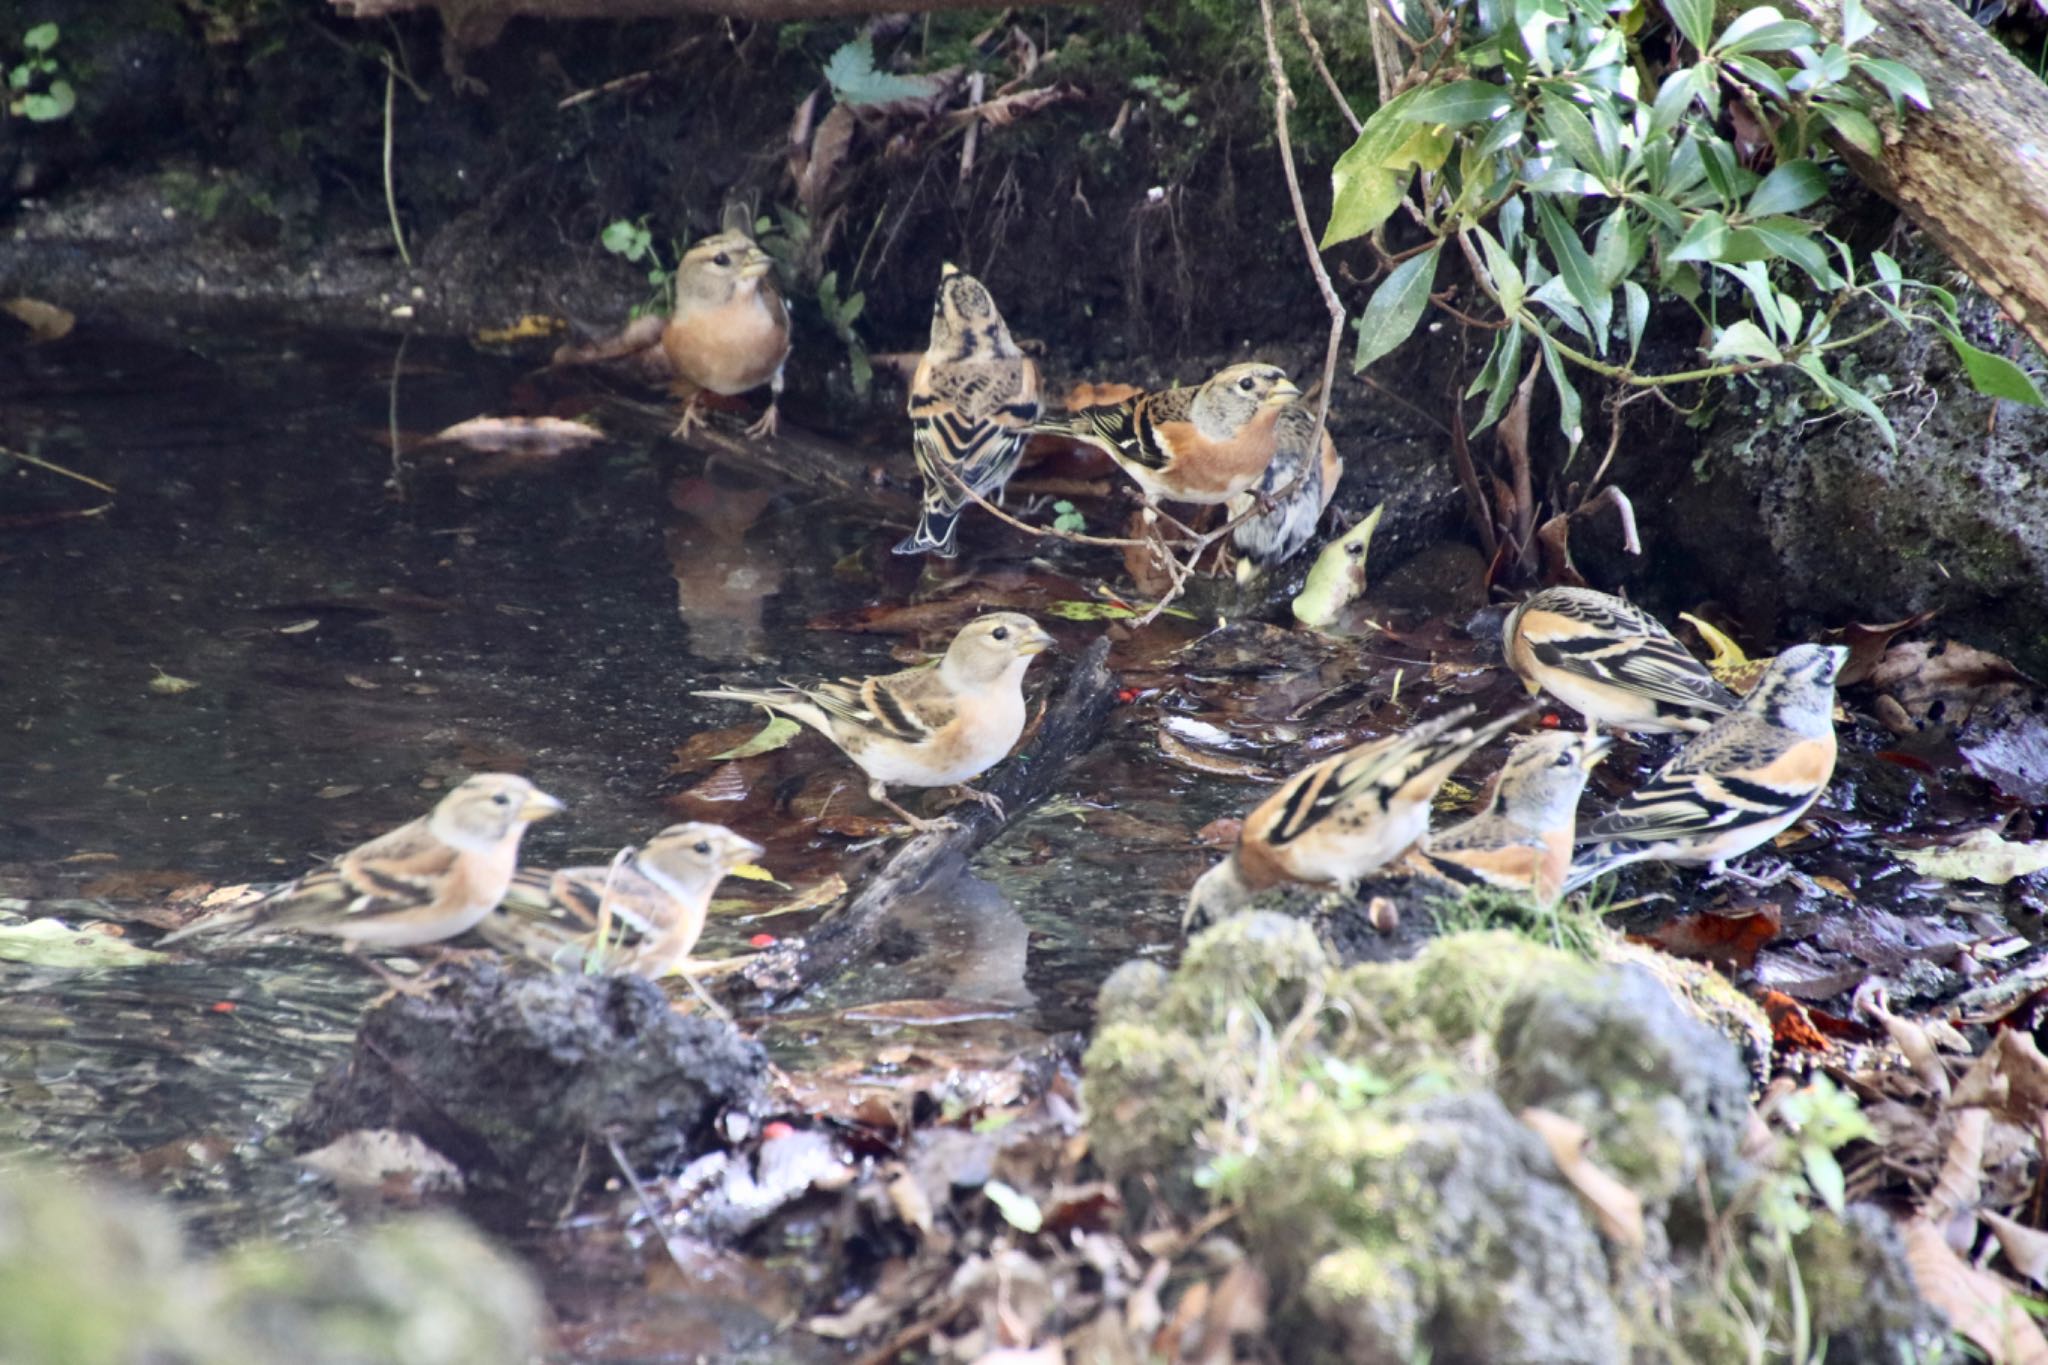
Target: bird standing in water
x: 972, y: 403
x: 729, y: 332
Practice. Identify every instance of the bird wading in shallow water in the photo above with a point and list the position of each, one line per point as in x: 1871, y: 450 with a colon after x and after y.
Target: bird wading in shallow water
x: 973, y: 400
x: 939, y: 725
x: 661, y: 891
x: 1522, y: 841
x: 422, y: 883
x: 1335, y: 821
x: 730, y: 331
x: 1200, y: 445
x: 1612, y: 663
x: 1735, y: 787
x: 1296, y: 488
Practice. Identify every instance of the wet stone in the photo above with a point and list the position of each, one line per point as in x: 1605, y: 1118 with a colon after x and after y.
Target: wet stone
x: 521, y: 1080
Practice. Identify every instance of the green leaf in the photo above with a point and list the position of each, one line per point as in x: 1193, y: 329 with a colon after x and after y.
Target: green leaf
x: 1788, y: 237
x: 1366, y: 187
x: 51, y: 105
x: 1638, y: 301
x: 1694, y: 18
x: 1994, y: 375
x: 851, y: 73
x: 1663, y: 210
x: 1395, y: 307
x: 1458, y: 103
x: 1614, y: 249
x: 1744, y: 340
x: 1575, y: 266
x: 1760, y: 74
x: 1763, y: 29
x: 1674, y: 97
x: 1019, y: 1210
x: 1507, y: 279
x: 1788, y: 189
x: 1900, y: 80
x: 624, y: 238
x: 1848, y: 396
x: 1856, y: 22
x: 779, y: 731
x: 1504, y: 133
x: 1854, y: 128
x: 1568, y: 419
x: 1508, y: 347
x: 1824, y: 1173
x: 1703, y: 241
x: 41, y: 38
x: 1564, y: 180
x: 1568, y: 126
x: 53, y: 943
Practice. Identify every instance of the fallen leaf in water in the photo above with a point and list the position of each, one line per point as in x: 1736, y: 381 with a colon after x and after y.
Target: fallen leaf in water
x: 1958, y: 1187
x: 1978, y: 1304
x: 1867, y: 645
x: 1982, y: 856
x: 530, y: 327
x: 1338, y: 575
x: 1736, y: 670
x: 1730, y: 942
x: 779, y: 731
x: 1618, y: 1209
x: 2012, y: 755
x: 45, y: 321
x: 300, y: 627
x: 398, y: 1164
x: 1791, y: 1026
x: 168, y: 685
x: 1183, y: 754
x: 1019, y: 1210
x: 1945, y: 683
x: 518, y: 435
x: 53, y: 943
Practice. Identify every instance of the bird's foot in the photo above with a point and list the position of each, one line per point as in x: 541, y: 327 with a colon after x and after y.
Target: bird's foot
x: 765, y: 426
x: 693, y: 417
x: 917, y: 823
x: 988, y: 799
x: 1769, y: 872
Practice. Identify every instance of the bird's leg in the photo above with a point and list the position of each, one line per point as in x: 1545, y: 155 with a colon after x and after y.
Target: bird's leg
x: 989, y: 799
x: 693, y: 416
x: 879, y: 794
x: 417, y: 987
x: 1770, y: 872
x: 765, y: 426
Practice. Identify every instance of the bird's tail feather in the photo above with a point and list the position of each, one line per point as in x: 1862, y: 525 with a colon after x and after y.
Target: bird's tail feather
x: 934, y: 535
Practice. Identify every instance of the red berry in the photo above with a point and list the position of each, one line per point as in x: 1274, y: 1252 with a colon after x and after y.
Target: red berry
x: 772, y: 1131
x: 761, y: 941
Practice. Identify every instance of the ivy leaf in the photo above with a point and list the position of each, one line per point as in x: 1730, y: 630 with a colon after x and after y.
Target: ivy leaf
x: 1395, y: 307
x: 1788, y: 189
x: 1459, y: 103
x: 1994, y: 375
x: 852, y: 75
x: 1695, y: 19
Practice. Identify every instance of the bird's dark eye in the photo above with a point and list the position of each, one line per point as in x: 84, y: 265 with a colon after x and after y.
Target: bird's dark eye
x: 702, y: 847
x: 502, y: 799
x: 1000, y: 633
x: 1247, y: 384
x: 721, y: 259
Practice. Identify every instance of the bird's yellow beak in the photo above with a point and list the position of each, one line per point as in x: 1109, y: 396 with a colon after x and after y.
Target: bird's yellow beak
x: 540, y: 806
x: 1036, y: 644
x: 948, y: 271
x: 757, y: 264
x: 1597, y: 748
x: 745, y: 850
x: 1531, y: 686
x: 1284, y: 392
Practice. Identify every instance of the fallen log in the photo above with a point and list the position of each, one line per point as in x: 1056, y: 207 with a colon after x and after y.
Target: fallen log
x: 1073, y: 720
x: 791, y: 453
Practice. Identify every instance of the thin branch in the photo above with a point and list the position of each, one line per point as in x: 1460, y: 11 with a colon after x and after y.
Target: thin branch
x: 390, y: 193
x: 1315, y: 55
x: 40, y: 463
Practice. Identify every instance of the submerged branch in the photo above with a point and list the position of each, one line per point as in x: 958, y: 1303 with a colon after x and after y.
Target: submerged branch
x: 1073, y: 720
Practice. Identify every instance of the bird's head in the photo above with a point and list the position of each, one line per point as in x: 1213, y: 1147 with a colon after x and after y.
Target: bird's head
x: 688, y: 860
x: 488, y: 808
x: 1240, y: 394
x: 965, y: 322
x: 720, y: 268
x: 991, y: 648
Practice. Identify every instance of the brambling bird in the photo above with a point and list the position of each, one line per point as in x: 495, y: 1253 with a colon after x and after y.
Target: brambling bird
x: 424, y: 882
x: 730, y: 331
x: 1336, y: 820
x: 1523, y: 839
x: 1277, y: 533
x: 972, y: 403
x: 931, y: 726
x: 1614, y: 664
x: 1735, y: 787
x: 1201, y: 445
x: 661, y: 890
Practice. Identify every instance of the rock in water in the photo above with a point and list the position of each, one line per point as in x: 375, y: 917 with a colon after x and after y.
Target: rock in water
x: 520, y: 1079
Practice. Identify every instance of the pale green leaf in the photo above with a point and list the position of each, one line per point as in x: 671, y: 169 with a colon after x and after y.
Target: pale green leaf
x: 1994, y: 375
x: 1902, y: 82
x: 1703, y: 241
x: 852, y: 75
x: 53, y: 943
x: 1565, y: 180
x: 1982, y: 856
x: 1788, y: 189
x: 1575, y: 267
x: 41, y: 38
x: 1458, y: 103
x: 52, y: 104
x: 779, y: 730
x: 1508, y: 284
x: 1824, y: 1173
x: 1854, y: 128
x: 1760, y: 74
x: 1365, y: 185
x: 1856, y: 22
x: 1744, y: 340
x: 1638, y: 300
x: 1497, y: 398
x: 1763, y: 29
x: 1694, y: 18
x: 1848, y: 396
x: 1395, y: 307
x: 1568, y: 415
x: 1019, y: 1209
x: 1566, y: 124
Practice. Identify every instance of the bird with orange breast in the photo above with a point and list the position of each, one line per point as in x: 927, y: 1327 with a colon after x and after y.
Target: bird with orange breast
x: 729, y: 333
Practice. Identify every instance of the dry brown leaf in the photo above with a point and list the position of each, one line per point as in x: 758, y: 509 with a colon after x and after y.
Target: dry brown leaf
x: 2026, y: 1248
x: 1182, y: 754
x: 1867, y: 645
x: 1910, y: 1039
x: 1617, y: 1207
x: 1956, y: 1189
x: 1979, y: 1304
x: 518, y: 435
x: 829, y: 148
x: 45, y: 321
x: 908, y: 1198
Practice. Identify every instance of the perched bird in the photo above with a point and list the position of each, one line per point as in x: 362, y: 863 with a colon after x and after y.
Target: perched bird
x: 1297, y: 487
x: 1335, y: 821
x: 931, y: 726
x: 1735, y: 787
x: 1202, y: 445
x: 423, y: 882
x: 661, y: 891
x: 972, y: 403
x: 730, y: 331
x: 1612, y: 663
x: 1523, y: 839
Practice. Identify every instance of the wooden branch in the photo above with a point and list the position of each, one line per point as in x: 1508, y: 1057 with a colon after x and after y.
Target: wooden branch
x: 1971, y: 171
x: 485, y: 16
x: 1073, y: 721
x: 790, y: 453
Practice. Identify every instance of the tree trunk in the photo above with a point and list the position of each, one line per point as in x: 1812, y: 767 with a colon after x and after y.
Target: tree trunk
x: 1973, y: 170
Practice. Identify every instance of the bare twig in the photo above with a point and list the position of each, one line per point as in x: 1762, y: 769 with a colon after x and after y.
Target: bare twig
x: 41, y: 463
x: 1315, y: 55
x: 390, y: 194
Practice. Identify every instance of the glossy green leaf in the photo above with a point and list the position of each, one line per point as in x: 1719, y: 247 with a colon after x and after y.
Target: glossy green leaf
x: 1614, y: 249
x: 1508, y: 348
x: 1674, y: 97
x: 1694, y: 18
x: 1508, y: 284
x: 1575, y: 267
x: 1365, y: 186
x: 1854, y: 128
x: 779, y: 731
x: 1504, y: 133
x: 1788, y: 237
x: 1638, y: 308
x: 1763, y: 29
x: 1569, y: 420
x: 1395, y: 307
x: 1788, y: 189
x: 1458, y: 103
x: 1760, y: 74
x: 1849, y: 397
x: 1744, y: 340
x: 1703, y: 241
x: 1663, y: 210
x: 1554, y: 296
x: 1900, y: 81
x: 1856, y: 22
x: 1567, y: 125
x: 1994, y: 375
